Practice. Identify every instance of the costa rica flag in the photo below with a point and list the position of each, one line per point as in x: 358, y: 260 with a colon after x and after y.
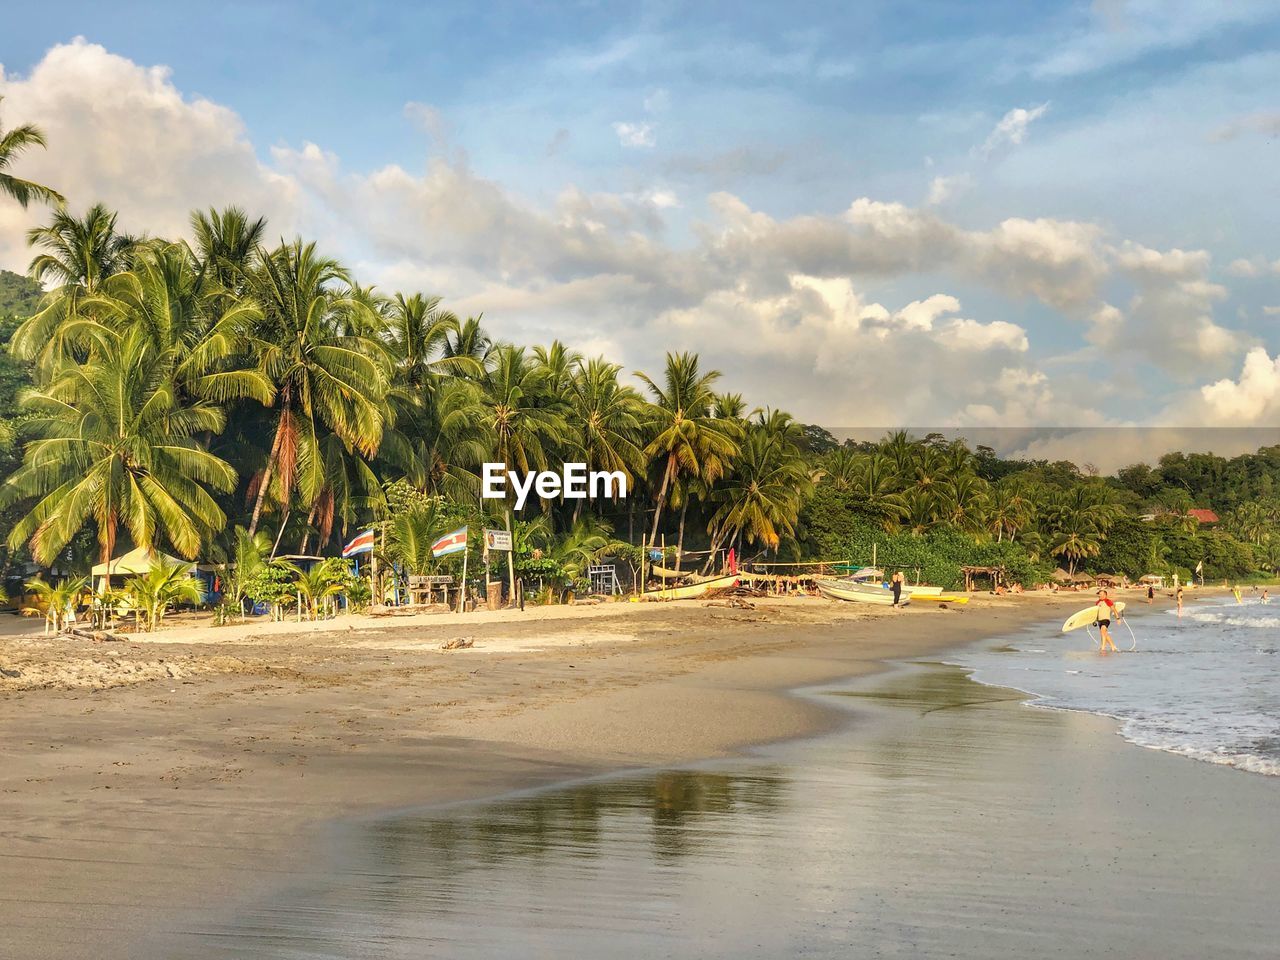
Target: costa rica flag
x: 454, y: 542
x: 360, y: 543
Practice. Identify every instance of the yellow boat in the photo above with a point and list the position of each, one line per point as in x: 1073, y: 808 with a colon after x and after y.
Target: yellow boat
x: 938, y: 598
x: 690, y: 591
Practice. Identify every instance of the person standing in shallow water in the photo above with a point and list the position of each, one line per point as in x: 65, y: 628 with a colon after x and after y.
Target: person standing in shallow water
x: 1106, y: 609
x: 896, y: 585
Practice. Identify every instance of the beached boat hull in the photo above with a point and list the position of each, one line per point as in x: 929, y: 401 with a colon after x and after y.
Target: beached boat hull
x: 691, y: 591
x: 856, y: 593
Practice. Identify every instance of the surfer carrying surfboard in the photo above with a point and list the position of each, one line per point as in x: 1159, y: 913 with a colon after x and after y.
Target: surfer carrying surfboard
x: 1105, y: 609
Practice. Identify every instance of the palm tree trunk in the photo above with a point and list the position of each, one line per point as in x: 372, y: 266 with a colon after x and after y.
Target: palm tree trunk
x: 276, y: 546
x: 306, y: 537
x: 266, y: 477
x: 684, y: 508
x: 662, y: 496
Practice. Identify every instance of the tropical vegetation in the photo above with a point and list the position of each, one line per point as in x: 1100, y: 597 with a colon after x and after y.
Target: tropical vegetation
x: 249, y: 403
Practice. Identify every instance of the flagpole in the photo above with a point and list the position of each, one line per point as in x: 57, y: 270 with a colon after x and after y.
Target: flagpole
x: 462, y: 589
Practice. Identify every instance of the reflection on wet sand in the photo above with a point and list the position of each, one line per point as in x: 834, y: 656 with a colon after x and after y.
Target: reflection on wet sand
x: 950, y: 821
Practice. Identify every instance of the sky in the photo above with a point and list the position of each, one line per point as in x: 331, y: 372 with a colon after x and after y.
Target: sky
x: 972, y: 215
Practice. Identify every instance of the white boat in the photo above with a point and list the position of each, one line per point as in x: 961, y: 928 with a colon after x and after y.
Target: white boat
x: 857, y: 593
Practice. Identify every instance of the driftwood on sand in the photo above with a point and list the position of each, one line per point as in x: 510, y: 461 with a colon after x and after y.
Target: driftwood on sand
x: 457, y: 643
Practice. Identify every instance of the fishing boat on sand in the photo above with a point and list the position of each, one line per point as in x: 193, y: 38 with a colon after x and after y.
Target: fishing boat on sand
x: 857, y: 592
x: 690, y: 591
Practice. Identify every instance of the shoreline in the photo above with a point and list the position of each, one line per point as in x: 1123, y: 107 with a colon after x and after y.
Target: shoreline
x: 980, y: 828
x: 669, y: 685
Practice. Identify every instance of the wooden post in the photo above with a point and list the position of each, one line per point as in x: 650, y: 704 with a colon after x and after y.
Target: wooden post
x: 511, y: 562
x: 462, y: 587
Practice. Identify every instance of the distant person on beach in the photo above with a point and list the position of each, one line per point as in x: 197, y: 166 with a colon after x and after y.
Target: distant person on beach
x: 1178, y: 596
x: 896, y: 585
x: 1104, y: 620
x: 1151, y: 593
x: 1265, y: 598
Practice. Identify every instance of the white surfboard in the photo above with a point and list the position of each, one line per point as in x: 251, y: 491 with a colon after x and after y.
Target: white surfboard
x: 1088, y: 617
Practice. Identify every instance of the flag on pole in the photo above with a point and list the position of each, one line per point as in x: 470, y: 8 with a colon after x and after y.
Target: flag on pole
x: 450, y: 543
x: 360, y: 543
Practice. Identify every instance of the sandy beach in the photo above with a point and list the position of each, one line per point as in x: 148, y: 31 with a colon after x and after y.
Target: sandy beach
x: 128, y: 806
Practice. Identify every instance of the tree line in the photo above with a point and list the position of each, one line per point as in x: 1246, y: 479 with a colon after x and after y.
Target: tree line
x: 225, y: 391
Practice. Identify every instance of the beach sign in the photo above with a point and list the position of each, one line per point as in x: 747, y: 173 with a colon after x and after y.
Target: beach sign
x: 497, y: 539
x: 361, y: 543
x: 454, y: 542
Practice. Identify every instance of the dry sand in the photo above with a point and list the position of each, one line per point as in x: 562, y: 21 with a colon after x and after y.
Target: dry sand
x: 145, y: 780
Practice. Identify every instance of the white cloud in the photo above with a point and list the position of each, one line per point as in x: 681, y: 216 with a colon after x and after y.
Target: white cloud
x: 1012, y: 128
x: 125, y: 135
x: 634, y: 134
x: 793, y: 309
x: 942, y: 189
x: 1253, y: 398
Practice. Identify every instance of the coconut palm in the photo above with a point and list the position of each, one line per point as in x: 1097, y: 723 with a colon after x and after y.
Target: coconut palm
x: 55, y: 603
x: 161, y: 588
x: 76, y: 256
x: 689, y: 439
x: 760, y: 498
x: 226, y: 244
x: 324, y: 580
x: 208, y: 339
x: 249, y: 554
x: 523, y: 420
x: 113, y: 443
x: 605, y: 419
x: 410, y: 534
x: 14, y: 143
x: 313, y: 345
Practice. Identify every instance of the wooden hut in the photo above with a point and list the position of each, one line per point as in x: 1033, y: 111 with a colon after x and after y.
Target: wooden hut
x: 996, y: 575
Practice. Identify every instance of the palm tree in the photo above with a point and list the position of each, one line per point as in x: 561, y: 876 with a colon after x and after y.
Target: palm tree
x: 1078, y: 520
x: 208, y: 339
x: 314, y: 346
x: 226, y: 245
x: 56, y: 603
x: 77, y: 256
x: 1008, y: 510
x: 13, y: 143
x: 605, y: 420
x: 876, y: 483
x: 418, y: 335
x: 113, y: 443
x: 470, y: 342
x: 410, y: 534
x: 523, y: 420
x: 689, y: 439
x: 165, y: 585
x: 249, y: 554
x: 324, y: 580
x: 966, y: 501
x: 760, y: 498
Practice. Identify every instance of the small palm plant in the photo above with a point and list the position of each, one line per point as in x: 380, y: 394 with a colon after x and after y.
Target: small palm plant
x: 317, y: 585
x: 55, y: 603
x: 161, y: 588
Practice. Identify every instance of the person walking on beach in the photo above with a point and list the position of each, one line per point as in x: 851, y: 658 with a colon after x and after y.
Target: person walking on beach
x: 1107, y: 608
x: 1178, y: 596
x: 896, y: 585
x: 1151, y: 593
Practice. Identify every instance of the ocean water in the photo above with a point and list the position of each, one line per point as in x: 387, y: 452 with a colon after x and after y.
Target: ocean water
x: 1204, y: 685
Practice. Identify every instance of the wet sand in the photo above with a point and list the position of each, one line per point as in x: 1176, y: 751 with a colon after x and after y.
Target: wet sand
x: 948, y: 821
x: 128, y: 809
